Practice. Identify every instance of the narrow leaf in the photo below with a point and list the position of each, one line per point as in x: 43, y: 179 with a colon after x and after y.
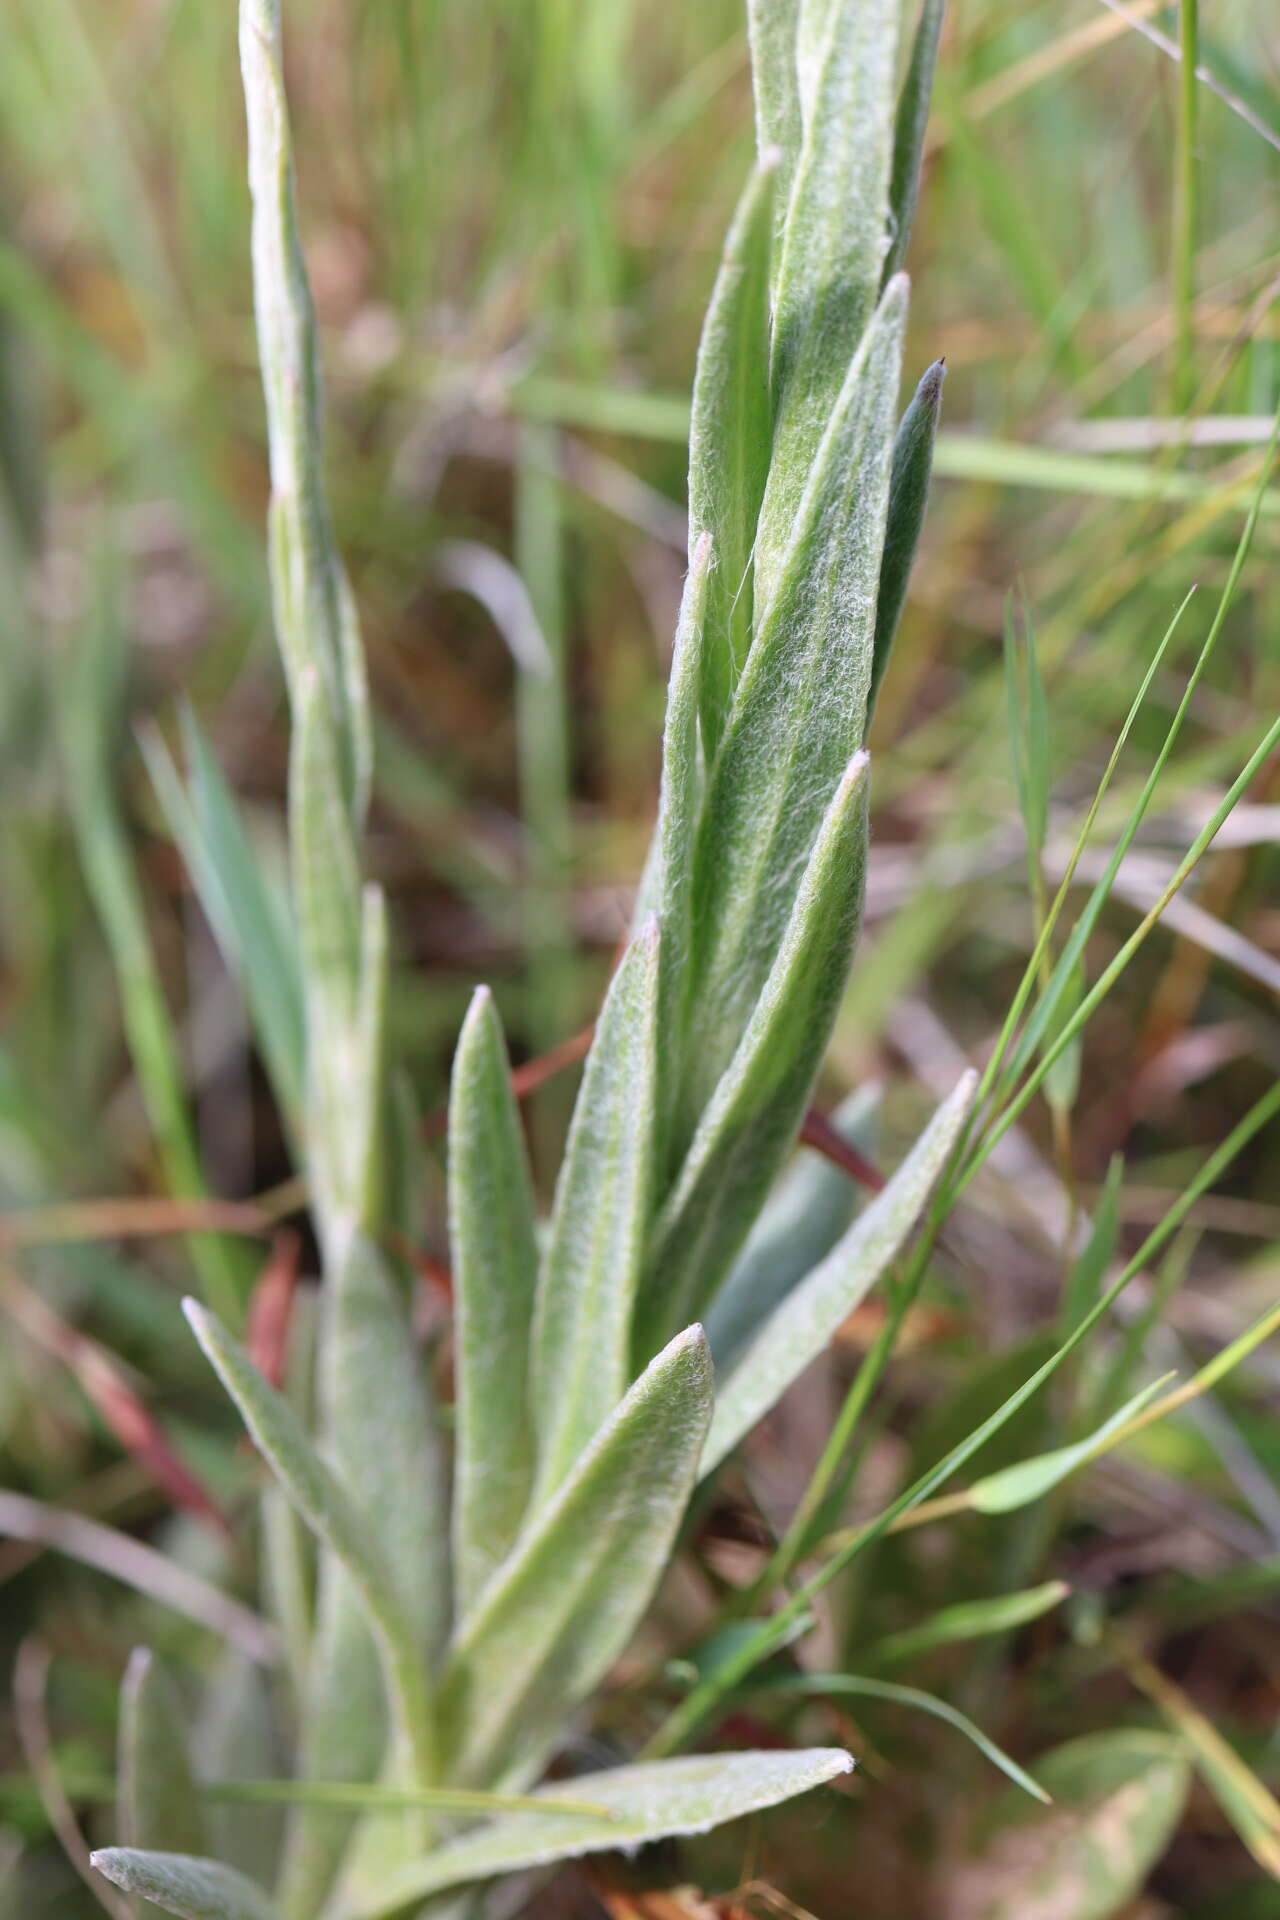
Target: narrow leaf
x: 158, y: 1806
x: 729, y: 439
x: 644, y: 1803
x: 185, y: 1884
x: 799, y: 714
x: 909, y: 131
x: 859, y: 1685
x: 772, y: 27
x: 752, y: 1119
x: 908, y: 498
x: 833, y: 242
x: 1029, y: 1480
x: 804, y: 1216
x: 238, y: 1736
x: 803, y: 1324
x: 968, y: 1620
x: 327, y: 1509
x: 495, y: 1266
x: 565, y: 1603
x: 604, y: 1200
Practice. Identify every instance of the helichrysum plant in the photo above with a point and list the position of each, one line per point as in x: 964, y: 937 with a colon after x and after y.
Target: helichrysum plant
x: 470, y: 1595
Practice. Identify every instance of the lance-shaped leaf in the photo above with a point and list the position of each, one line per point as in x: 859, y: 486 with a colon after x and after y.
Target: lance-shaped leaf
x: 185, y: 1884
x: 604, y: 1201
x: 639, y: 1804
x: 237, y: 1739
x: 752, y: 1120
x: 908, y: 497
x: 772, y: 27
x: 565, y: 1603
x: 495, y: 1268
x: 249, y: 919
x: 909, y: 131
x: 156, y: 1791
x: 833, y: 243
x: 1028, y: 1480
x: 803, y: 1218
x: 801, y: 1327
x: 328, y: 1509
x: 799, y: 714
x: 729, y: 439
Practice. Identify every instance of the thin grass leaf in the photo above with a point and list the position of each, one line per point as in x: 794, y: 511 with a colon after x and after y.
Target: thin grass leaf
x: 581, y: 1359
x: 250, y: 922
x: 643, y: 1804
x: 729, y: 442
x: 1247, y: 1802
x: 862, y: 1686
x: 1089, y: 1270
x: 909, y: 131
x: 804, y: 1216
x: 362, y: 1796
x: 832, y: 245
x: 568, y: 1598
x: 492, y: 1237
x: 331, y: 1514
x: 799, y: 713
x: 1028, y: 731
x: 157, y: 1801
x: 802, y: 1326
x: 185, y: 1884
x: 1029, y: 1480
x: 752, y: 1120
x: 908, y: 498
x: 968, y: 1620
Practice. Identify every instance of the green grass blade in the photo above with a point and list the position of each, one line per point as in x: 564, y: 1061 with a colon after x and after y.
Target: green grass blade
x: 495, y: 1268
x: 968, y: 1620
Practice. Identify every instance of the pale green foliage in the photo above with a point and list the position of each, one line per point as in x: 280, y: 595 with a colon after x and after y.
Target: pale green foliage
x: 585, y: 1397
x: 185, y: 1884
x: 155, y: 1788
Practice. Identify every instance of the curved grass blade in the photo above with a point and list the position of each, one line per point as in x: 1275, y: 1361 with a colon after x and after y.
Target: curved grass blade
x: 803, y: 1324
x: 1028, y: 1480
x: 968, y: 1620
x: 860, y: 1686
x: 185, y: 1884
x: 495, y: 1268
x: 568, y: 1598
x: 642, y: 1803
x: 604, y: 1198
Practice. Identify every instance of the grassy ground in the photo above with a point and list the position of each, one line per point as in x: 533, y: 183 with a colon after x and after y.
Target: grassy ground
x: 512, y: 218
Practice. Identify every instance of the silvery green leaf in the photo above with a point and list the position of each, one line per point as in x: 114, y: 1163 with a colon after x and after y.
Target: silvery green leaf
x: 494, y: 1249
x: 833, y: 242
x: 236, y: 1738
x: 185, y: 1884
x: 639, y: 1804
x: 158, y: 1803
x: 729, y: 438
x: 566, y: 1601
x: 342, y: 1735
x: 909, y: 131
x: 332, y: 1514
x: 604, y: 1201
x: 908, y: 497
x: 772, y: 26
x: 752, y: 1118
x: 249, y: 920
x: 799, y: 713
x: 804, y: 1216
x: 802, y: 1326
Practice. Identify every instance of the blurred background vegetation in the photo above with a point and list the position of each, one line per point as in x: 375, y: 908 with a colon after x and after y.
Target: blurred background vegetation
x: 512, y: 216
